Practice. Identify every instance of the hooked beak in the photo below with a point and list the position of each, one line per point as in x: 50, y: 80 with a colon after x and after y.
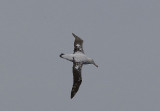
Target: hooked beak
x: 95, y: 65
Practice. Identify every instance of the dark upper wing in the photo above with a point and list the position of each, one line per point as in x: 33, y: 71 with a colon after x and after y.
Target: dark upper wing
x: 78, y: 44
x: 77, y: 78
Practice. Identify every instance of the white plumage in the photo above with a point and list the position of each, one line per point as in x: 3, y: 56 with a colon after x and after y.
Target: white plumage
x: 78, y: 58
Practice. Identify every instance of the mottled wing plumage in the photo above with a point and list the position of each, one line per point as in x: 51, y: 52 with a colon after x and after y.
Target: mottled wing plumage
x: 77, y: 78
x: 78, y: 44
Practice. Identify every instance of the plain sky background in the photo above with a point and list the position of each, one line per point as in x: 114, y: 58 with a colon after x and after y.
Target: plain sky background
x: 122, y: 36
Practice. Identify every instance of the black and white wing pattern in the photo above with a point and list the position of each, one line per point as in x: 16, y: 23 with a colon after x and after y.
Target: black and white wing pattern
x: 78, y: 44
x: 77, y: 78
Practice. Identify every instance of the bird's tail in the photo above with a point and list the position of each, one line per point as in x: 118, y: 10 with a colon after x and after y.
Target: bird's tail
x: 61, y: 55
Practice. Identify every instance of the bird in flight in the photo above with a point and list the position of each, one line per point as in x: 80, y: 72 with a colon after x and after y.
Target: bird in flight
x: 78, y: 58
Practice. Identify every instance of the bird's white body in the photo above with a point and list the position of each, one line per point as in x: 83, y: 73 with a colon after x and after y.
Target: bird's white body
x: 78, y: 57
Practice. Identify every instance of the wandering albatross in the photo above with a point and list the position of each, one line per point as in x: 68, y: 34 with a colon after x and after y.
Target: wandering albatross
x: 78, y: 58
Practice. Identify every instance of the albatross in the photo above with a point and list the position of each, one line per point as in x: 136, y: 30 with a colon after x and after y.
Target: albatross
x: 79, y: 59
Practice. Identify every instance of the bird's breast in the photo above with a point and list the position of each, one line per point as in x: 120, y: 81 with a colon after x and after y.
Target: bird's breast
x: 81, y: 58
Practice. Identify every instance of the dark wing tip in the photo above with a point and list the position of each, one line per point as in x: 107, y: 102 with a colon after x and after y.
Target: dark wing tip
x: 77, y: 37
x: 75, y: 88
x: 74, y: 35
x: 72, y: 95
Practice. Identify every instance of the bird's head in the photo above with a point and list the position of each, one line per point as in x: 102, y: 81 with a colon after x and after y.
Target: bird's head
x: 92, y: 62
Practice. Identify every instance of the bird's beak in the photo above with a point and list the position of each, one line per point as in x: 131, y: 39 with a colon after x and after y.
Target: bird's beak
x: 95, y: 65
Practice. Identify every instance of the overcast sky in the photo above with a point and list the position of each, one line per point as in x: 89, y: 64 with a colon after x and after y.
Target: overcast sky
x: 122, y: 36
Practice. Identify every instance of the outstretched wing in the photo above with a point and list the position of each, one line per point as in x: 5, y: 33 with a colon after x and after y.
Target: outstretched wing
x: 78, y: 44
x: 77, y: 78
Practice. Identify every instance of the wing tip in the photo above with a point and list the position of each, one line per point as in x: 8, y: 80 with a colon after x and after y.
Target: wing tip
x: 74, y: 35
x: 77, y: 37
x: 72, y: 96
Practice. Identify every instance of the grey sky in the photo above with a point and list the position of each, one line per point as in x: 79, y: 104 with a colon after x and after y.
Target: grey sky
x: 123, y: 37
